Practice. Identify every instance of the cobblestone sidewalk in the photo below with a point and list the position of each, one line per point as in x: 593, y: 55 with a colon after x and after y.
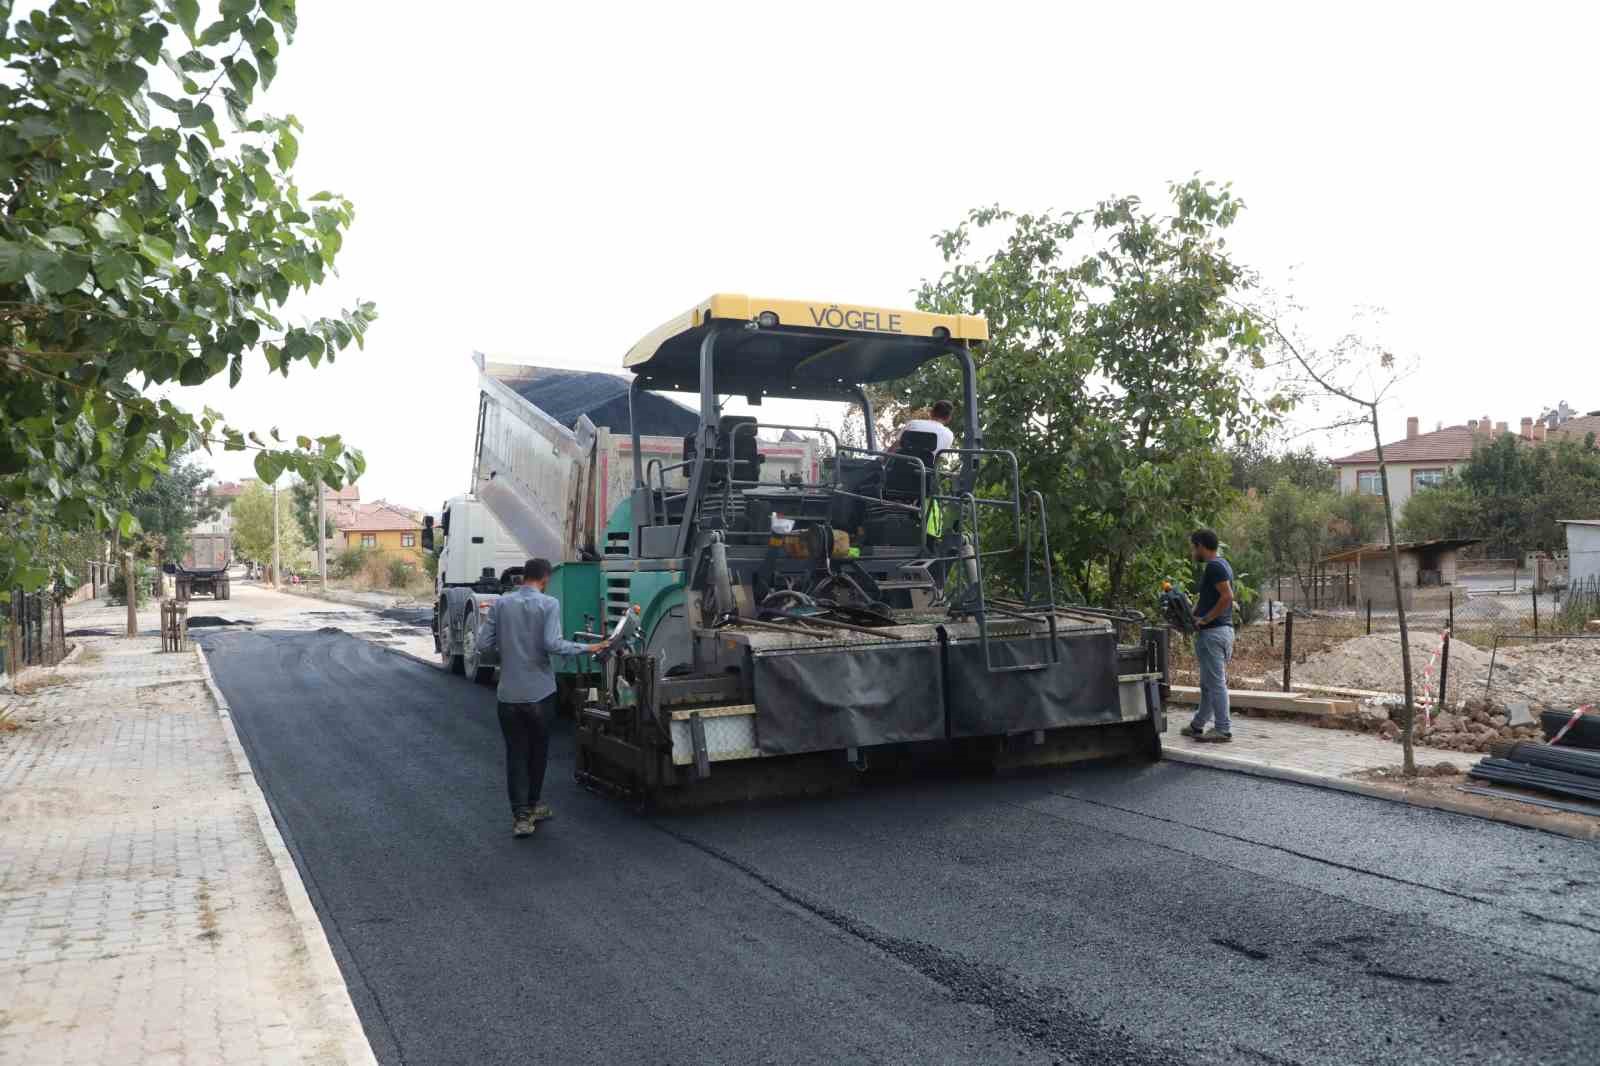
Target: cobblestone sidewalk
x: 143, y: 915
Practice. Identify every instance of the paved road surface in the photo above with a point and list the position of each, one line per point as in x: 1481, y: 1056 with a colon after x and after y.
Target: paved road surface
x: 1109, y: 915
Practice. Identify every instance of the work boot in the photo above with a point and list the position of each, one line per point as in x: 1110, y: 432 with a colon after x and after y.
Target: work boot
x: 1215, y: 737
x: 522, y: 825
x: 1191, y: 731
x: 542, y: 811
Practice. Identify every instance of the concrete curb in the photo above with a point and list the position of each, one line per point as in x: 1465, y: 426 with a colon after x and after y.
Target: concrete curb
x: 1362, y: 788
x: 327, y: 980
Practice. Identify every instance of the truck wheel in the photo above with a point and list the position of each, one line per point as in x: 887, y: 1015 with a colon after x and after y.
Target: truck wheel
x: 483, y: 675
x: 441, y: 637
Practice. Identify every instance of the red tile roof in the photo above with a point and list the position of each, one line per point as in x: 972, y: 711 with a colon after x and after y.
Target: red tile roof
x: 1452, y: 444
x: 1578, y: 428
x: 381, y: 517
x: 228, y: 490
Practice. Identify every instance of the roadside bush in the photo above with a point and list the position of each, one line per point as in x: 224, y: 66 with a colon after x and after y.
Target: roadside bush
x: 352, y: 561
x: 116, y: 591
x: 400, y: 572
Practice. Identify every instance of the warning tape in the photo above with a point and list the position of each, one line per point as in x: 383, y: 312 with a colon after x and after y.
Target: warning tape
x: 1429, y: 698
x: 1577, y: 714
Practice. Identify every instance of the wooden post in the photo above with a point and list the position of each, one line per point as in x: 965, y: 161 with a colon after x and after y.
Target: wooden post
x: 1444, y: 668
x: 1369, y: 616
x: 1452, y: 610
x: 1272, y: 637
x: 132, y: 588
x: 1288, y: 646
x: 1536, y: 615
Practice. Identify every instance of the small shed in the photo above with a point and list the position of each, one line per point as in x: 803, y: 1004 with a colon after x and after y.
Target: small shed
x: 1583, y: 550
x: 1427, y: 571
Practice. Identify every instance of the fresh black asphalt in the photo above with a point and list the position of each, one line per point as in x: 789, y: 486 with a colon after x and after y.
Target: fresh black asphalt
x: 1109, y: 914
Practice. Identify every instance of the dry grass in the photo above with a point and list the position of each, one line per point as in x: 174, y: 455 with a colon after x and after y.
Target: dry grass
x: 28, y: 685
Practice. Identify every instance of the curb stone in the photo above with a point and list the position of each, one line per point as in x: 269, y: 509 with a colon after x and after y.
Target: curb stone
x: 1362, y: 788
x: 328, y: 981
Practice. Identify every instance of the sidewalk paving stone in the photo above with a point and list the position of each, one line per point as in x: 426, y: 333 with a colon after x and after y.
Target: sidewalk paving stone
x: 142, y: 915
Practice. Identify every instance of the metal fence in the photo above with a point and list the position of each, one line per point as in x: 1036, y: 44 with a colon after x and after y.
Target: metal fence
x: 1284, y: 639
x: 35, y: 631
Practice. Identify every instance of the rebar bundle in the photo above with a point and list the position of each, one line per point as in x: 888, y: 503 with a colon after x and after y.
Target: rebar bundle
x: 1524, y: 775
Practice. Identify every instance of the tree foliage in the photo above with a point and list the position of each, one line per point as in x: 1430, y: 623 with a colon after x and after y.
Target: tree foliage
x: 140, y: 246
x: 169, y: 509
x: 304, y: 495
x: 253, y: 528
x: 1257, y: 465
x: 1513, y: 494
x: 1118, y: 361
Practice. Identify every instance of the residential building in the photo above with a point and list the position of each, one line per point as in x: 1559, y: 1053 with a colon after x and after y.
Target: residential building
x: 1423, y: 460
x: 1420, y: 461
x: 1579, y: 428
x: 223, y: 493
x: 383, y: 527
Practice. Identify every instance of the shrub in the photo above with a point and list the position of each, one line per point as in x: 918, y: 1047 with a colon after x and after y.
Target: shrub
x: 400, y: 572
x: 116, y: 590
x: 352, y: 561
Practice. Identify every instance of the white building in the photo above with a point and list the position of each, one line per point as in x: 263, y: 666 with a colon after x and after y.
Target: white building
x: 1583, y: 549
x: 1422, y: 459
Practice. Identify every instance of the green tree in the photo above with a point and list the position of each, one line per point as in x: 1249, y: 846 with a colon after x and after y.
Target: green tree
x: 304, y: 494
x: 1117, y: 364
x: 1297, y: 530
x: 1256, y: 465
x: 170, y: 508
x: 1442, y: 512
x: 253, y: 528
x: 140, y: 246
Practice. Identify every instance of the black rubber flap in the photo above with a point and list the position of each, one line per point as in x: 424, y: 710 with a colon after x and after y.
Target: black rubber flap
x: 1081, y: 689
x: 847, y: 698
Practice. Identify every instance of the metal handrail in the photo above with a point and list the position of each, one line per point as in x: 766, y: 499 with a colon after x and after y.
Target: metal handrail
x: 981, y: 609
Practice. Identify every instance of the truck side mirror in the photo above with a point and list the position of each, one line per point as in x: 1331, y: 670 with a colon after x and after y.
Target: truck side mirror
x: 427, y: 532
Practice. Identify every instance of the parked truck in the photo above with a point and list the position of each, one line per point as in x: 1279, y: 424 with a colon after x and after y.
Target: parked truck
x: 787, y: 618
x: 204, y: 569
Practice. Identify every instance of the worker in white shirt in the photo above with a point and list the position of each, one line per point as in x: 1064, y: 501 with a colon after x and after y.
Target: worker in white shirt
x: 937, y: 423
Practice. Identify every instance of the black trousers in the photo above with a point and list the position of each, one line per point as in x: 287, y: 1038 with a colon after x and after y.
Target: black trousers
x: 526, y: 727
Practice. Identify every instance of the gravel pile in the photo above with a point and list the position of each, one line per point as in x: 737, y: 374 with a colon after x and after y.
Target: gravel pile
x: 1557, y: 676
x: 1373, y: 662
x: 1528, y: 677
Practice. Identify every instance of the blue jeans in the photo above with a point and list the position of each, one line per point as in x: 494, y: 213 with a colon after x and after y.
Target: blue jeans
x: 1212, y: 649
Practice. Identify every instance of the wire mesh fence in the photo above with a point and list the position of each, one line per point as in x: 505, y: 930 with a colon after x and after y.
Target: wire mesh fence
x: 34, y: 630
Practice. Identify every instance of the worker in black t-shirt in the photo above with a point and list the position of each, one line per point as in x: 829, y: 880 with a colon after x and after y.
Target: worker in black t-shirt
x: 1213, y: 640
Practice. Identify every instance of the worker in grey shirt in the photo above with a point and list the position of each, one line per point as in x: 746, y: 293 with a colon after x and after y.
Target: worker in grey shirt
x: 524, y: 626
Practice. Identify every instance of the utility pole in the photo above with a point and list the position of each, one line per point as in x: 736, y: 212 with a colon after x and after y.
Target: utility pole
x: 322, y: 534
x: 277, y: 557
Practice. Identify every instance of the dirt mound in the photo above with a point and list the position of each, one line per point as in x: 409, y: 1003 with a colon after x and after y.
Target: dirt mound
x: 1558, y: 675
x: 1373, y: 662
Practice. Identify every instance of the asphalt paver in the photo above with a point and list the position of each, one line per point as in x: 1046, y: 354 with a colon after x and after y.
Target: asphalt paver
x: 1099, y: 914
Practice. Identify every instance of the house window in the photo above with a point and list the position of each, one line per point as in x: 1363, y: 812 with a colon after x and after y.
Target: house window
x: 1426, y: 479
x: 369, y: 540
x: 1369, y: 482
x: 408, y: 540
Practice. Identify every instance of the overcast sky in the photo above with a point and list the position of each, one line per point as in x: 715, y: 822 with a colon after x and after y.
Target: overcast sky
x: 548, y: 182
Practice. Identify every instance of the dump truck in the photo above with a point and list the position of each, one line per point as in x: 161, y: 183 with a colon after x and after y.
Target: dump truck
x: 773, y: 626
x: 204, y: 569
x: 546, y: 478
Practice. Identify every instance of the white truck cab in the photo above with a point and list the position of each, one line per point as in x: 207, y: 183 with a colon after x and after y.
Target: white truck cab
x: 477, y: 558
